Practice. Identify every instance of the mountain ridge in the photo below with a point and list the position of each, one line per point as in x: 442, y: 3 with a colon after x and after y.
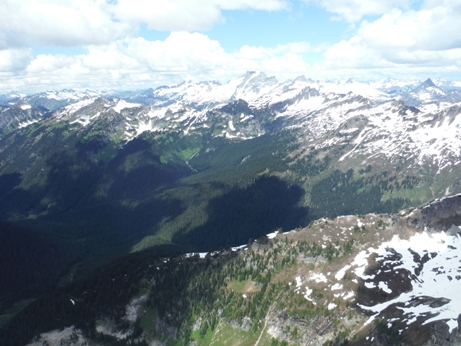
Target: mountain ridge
x: 202, y: 166
x: 292, y: 287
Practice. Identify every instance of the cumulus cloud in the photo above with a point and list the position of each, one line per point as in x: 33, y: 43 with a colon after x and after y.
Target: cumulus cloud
x: 432, y: 28
x: 400, y: 42
x: 90, y: 22
x: 58, y: 23
x: 353, y: 53
x: 15, y: 60
x: 354, y: 10
x: 176, y: 15
x: 403, y: 43
x: 356, y: 57
x: 132, y: 63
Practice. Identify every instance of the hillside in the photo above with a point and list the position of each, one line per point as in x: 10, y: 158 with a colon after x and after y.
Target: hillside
x: 377, y: 279
x: 199, y: 167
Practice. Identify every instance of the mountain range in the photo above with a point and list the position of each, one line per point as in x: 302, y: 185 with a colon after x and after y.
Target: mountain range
x: 204, y: 166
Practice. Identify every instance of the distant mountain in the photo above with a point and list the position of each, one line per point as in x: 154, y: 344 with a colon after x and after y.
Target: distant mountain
x: 20, y: 115
x: 248, y: 87
x: 203, y: 166
x: 447, y: 85
x: 422, y: 94
x: 53, y: 100
x: 393, y: 86
x: 10, y: 98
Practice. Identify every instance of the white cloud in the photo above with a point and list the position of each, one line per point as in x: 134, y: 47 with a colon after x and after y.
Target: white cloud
x: 356, y: 58
x: 86, y: 22
x: 59, y: 23
x: 176, y: 15
x: 13, y: 60
x: 403, y: 43
x: 286, y: 61
x: 433, y: 28
x: 354, y: 10
x: 132, y: 63
x: 399, y: 43
x: 352, y: 54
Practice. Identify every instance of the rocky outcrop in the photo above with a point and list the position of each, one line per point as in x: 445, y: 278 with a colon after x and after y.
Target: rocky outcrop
x: 441, y: 335
x: 442, y: 214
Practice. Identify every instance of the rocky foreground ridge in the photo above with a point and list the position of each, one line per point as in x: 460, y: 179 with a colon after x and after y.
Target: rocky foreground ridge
x: 372, y: 279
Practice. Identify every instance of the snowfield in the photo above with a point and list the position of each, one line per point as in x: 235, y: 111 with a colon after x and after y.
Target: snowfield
x: 433, y: 262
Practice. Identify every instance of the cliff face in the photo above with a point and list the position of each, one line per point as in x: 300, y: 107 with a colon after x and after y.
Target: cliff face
x: 442, y: 214
x: 441, y: 335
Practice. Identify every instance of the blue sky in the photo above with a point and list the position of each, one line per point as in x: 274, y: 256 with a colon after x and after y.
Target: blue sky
x: 134, y: 44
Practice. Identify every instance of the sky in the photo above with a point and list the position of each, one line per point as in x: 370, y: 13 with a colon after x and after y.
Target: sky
x: 136, y: 44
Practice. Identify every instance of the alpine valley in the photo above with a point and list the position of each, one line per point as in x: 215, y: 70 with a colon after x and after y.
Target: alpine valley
x: 256, y: 212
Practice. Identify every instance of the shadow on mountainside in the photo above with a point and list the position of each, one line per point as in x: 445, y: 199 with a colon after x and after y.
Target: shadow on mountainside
x: 247, y: 213
x: 93, y: 211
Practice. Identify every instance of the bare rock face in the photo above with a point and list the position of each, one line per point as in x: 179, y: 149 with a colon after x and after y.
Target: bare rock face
x: 441, y: 335
x: 442, y: 214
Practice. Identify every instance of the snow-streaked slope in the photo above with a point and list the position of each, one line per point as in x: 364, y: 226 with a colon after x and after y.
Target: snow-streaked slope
x: 257, y: 89
x: 393, y: 86
x: 363, y: 119
x: 432, y: 263
x: 67, y: 95
x: 74, y: 108
x: 122, y: 104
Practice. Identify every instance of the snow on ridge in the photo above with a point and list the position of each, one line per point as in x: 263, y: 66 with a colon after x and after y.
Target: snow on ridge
x: 236, y: 248
x: 231, y: 125
x: 27, y: 123
x: 259, y: 90
x: 441, y: 199
x: 318, y: 277
x: 75, y: 107
x: 390, y: 130
x: 331, y: 306
x: 340, y: 274
x: 298, y: 283
x: 122, y: 104
x: 388, y: 83
x: 352, y: 86
x: 272, y: 235
x: 319, y: 108
x: 438, y: 279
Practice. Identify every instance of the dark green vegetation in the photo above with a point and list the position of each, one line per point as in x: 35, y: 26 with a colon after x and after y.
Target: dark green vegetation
x: 176, y: 293
x: 244, y: 213
x: 351, y: 196
x: 89, y: 198
x: 29, y: 264
x: 223, y: 299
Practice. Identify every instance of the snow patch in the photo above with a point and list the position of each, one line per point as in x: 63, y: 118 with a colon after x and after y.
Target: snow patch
x: 122, y: 104
x: 340, y: 274
x: 331, y: 306
x: 318, y: 277
x: 272, y: 235
x: 336, y: 287
x: 436, y: 280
